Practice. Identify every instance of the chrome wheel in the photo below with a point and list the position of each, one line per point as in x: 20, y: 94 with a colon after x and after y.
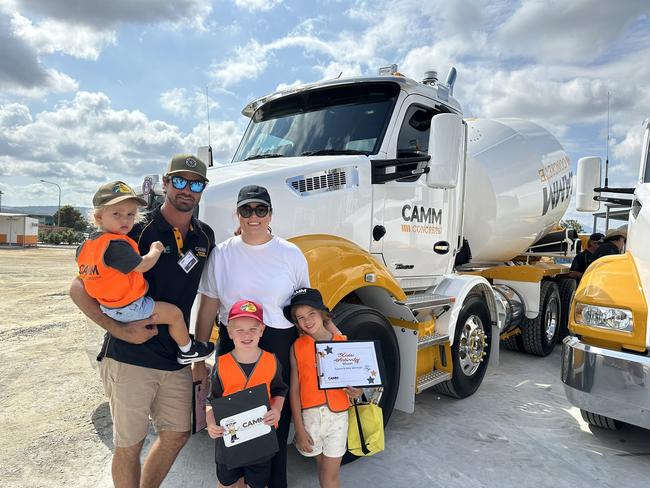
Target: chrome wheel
x: 472, y: 345
x: 551, y: 317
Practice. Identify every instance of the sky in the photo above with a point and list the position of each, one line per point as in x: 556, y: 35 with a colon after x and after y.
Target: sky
x: 92, y: 91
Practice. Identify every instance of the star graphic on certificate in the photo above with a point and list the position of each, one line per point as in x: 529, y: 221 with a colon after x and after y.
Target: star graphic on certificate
x: 371, y: 380
x: 329, y: 350
x: 373, y: 373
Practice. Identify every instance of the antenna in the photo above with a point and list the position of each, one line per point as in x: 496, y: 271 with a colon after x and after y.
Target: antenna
x: 607, y: 147
x: 207, y: 107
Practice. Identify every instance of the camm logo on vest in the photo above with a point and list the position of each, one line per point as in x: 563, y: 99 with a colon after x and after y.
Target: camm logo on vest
x: 89, y: 271
x: 423, y: 220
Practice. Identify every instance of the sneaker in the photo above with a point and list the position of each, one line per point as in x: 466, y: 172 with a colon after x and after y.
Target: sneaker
x: 199, y: 351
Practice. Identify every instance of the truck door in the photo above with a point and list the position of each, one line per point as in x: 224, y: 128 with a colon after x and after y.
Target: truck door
x: 419, y: 239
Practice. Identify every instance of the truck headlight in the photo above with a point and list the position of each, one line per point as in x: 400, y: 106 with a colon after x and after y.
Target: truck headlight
x: 604, y: 317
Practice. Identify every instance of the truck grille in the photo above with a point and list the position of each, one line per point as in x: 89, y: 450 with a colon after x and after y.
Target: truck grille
x: 330, y: 180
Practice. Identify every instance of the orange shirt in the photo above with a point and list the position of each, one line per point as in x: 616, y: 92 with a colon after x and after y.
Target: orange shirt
x: 310, y: 396
x: 107, y: 285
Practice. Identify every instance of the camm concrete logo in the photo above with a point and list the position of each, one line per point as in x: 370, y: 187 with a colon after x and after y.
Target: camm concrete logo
x: 429, y: 216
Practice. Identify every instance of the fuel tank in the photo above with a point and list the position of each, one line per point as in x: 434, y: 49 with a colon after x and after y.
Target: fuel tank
x: 519, y: 184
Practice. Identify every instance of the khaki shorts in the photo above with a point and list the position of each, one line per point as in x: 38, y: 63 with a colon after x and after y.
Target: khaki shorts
x: 136, y: 394
x: 328, y: 430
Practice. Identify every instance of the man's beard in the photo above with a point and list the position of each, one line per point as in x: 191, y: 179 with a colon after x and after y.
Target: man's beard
x: 181, y: 204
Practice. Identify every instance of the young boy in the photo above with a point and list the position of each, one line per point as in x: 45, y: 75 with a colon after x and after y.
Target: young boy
x: 320, y: 417
x: 246, y: 366
x: 111, y: 268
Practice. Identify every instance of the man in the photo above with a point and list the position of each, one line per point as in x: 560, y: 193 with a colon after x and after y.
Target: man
x: 583, y: 259
x: 614, y: 243
x: 138, y: 367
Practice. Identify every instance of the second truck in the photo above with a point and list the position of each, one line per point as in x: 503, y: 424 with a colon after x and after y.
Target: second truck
x: 606, y: 360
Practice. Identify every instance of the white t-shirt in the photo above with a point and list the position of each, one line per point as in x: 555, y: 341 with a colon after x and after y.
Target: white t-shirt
x: 267, y: 274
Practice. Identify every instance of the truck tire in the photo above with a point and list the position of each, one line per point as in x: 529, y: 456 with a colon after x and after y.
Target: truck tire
x: 600, y: 420
x: 539, y: 335
x: 467, y: 375
x: 513, y: 343
x: 567, y: 287
x: 359, y: 322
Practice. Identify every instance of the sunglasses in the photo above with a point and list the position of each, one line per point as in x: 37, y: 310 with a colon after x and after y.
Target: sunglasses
x: 246, y: 211
x: 196, y: 186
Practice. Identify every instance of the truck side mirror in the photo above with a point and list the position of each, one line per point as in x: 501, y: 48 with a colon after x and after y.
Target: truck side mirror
x: 447, y: 150
x: 204, y: 153
x: 588, y: 178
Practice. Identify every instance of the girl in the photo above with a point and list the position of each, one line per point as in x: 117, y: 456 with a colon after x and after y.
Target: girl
x: 320, y: 417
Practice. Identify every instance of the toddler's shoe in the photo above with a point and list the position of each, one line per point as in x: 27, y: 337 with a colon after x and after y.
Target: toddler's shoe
x: 199, y: 351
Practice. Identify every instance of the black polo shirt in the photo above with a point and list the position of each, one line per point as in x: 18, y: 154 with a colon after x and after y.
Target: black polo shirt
x: 168, y: 282
x: 582, y: 261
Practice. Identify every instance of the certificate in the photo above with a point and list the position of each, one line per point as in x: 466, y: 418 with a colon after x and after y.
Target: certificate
x: 348, y: 363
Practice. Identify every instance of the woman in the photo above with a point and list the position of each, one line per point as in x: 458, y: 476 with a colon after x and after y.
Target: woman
x: 266, y: 269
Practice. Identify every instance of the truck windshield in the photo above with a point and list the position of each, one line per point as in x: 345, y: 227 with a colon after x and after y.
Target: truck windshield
x: 349, y: 119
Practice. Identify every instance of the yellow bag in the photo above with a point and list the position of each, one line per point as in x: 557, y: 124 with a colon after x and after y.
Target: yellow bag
x: 365, y: 429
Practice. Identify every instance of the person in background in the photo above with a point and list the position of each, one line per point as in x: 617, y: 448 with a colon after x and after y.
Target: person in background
x: 140, y: 372
x: 584, y: 258
x: 614, y: 243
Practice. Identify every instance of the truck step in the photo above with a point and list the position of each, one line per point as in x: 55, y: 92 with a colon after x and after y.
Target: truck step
x: 426, y: 300
x: 431, y: 340
x: 431, y: 379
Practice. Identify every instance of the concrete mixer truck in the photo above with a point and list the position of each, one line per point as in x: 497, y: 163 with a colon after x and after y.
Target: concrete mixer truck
x: 409, y: 217
x: 605, y: 362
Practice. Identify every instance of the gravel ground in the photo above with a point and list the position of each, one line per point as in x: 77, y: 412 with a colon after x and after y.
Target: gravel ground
x: 518, y: 430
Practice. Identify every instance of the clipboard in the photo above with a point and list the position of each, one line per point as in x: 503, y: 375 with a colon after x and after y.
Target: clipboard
x: 356, y: 363
x: 247, y: 441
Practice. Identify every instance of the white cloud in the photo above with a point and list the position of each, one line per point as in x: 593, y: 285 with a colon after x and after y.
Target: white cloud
x: 180, y: 102
x: 81, y: 29
x: 21, y: 71
x: 108, y: 14
x: 85, y: 141
x: 51, y: 36
x: 556, y: 30
x: 257, y: 5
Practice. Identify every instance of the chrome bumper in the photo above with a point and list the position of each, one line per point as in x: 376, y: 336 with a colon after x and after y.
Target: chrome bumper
x: 610, y: 383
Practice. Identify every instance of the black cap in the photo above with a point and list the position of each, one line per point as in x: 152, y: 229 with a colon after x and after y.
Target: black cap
x: 596, y: 237
x: 253, y: 194
x: 305, y: 296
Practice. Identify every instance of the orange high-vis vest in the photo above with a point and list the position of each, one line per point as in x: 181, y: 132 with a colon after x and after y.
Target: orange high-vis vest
x: 310, y: 396
x: 233, y: 379
x: 107, y: 285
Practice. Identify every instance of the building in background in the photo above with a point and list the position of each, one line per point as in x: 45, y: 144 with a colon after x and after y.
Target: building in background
x: 18, y: 229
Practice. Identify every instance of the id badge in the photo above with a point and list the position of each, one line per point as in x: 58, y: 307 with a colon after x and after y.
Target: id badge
x: 188, y: 261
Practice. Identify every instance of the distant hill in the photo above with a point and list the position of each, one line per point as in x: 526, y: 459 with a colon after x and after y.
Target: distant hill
x: 40, y: 210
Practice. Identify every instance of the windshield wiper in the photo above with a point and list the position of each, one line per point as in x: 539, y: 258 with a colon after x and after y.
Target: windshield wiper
x: 324, y: 152
x: 264, y: 156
